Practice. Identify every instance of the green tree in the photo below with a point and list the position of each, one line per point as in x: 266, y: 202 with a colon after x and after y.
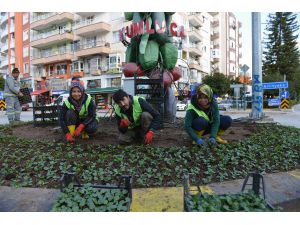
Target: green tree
x: 219, y: 83
x: 281, y: 55
x: 2, y: 82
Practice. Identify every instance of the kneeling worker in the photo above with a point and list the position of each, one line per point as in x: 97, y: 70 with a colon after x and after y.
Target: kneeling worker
x: 78, y: 113
x: 136, y: 118
x: 202, y: 117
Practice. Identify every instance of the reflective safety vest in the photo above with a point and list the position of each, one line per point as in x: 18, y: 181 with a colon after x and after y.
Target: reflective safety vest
x: 136, y: 110
x: 84, y: 109
x: 199, y: 112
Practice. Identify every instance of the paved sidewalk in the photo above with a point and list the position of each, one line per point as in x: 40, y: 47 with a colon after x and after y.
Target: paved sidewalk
x: 280, y: 187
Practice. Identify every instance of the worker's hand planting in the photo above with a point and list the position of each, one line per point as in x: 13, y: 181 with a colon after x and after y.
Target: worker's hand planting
x: 201, y: 142
x: 78, y: 130
x: 124, y: 123
x: 149, y: 137
x: 69, y: 137
x: 212, y: 141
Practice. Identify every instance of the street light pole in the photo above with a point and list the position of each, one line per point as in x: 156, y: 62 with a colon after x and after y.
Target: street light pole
x: 257, y: 92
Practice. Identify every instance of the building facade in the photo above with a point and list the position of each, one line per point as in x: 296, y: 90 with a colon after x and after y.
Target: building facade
x: 15, y: 44
x: 226, y: 44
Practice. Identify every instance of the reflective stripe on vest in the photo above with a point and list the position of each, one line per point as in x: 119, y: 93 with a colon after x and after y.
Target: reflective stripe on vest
x: 83, y: 111
x: 137, y: 111
x: 199, y: 112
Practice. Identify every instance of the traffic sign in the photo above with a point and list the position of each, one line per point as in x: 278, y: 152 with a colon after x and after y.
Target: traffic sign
x: 284, y: 104
x: 245, y: 68
x: 274, y: 102
x: 284, y: 94
x: 1, y: 95
x: 2, y: 104
x: 275, y: 85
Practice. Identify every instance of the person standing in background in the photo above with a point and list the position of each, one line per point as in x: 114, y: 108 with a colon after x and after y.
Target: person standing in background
x: 11, y: 94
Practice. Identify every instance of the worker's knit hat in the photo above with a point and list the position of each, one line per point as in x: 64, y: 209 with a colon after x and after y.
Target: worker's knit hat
x: 77, y: 83
x: 15, y: 70
x: 206, y: 90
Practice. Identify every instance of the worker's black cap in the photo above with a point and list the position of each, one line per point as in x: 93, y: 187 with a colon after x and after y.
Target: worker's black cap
x: 15, y: 70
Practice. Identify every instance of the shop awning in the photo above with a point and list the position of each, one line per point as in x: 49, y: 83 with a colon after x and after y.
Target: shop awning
x: 102, y: 90
x: 38, y: 92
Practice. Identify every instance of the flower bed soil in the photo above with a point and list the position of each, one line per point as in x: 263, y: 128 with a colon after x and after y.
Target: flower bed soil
x: 107, y: 134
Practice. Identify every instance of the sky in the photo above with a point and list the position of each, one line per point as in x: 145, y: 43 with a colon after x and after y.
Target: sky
x: 245, y: 18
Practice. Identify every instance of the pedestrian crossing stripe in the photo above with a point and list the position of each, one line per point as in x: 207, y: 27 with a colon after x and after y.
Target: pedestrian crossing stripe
x: 284, y: 104
x: 2, y: 104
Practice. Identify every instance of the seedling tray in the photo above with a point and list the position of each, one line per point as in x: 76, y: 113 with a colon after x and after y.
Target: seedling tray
x: 249, y: 200
x: 125, y: 183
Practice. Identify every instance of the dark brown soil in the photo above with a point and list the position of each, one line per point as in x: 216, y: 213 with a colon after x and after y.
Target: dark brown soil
x: 171, y: 135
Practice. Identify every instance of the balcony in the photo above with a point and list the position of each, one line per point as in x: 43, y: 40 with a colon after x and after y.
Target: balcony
x: 195, y: 20
x: 195, y: 66
x: 47, y: 20
x: 52, y: 57
x: 232, y: 49
x: 240, y: 34
x: 240, y: 55
x: 195, y: 51
x: 240, y: 45
x: 44, y: 40
x: 12, y: 60
x: 12, y: 43
x: 4, y: 18
x: 4, y: 32
x: 78, y: 74
x: 4, y: 47
x: 215, y: 35
x: 4, y: 63
x: 195, y: 35
x: 93, y: 48
x: 92, y: 27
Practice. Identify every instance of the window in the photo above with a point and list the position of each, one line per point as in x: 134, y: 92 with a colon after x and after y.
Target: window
x: 25, y: 51
x: 98, y: 60
x: 51, y: 68
x: 25, y: 35
x: 61, y: 69
x: 26, y: 67
x: 116, y: 82
x: 89, y: 19
x: 114, y: 61
x: 91, y: 42
x: 78, y: 66
x: 25, y: 18
x: 116, y: 37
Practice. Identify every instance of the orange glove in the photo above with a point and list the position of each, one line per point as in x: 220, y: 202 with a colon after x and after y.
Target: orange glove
x: 78, y: 130
x: 69, y: 137
x: 124, y: 123
x: 148, y: 137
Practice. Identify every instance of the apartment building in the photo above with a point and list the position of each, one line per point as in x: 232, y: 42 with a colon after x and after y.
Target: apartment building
x: 226, y: 44
x: 82, y: 44
x: 15, y: 39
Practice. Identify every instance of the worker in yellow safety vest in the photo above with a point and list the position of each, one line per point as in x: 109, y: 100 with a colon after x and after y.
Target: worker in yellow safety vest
x: 78, y: 113
x: 136, y: 118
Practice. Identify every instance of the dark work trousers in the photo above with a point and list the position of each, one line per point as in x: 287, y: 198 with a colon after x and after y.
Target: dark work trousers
x: 73, y: 119
x: 202, y: 124
x: 137, y: 133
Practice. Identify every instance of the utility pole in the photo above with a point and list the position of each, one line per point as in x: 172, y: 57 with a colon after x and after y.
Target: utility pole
x: 257, y: 91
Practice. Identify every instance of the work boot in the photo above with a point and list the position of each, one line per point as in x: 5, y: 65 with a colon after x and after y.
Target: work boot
x: 219, y: 139
x: 199, y: 134
x: 85, y: 135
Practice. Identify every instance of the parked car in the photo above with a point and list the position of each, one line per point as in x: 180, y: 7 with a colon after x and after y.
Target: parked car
x: 25, y: 107
x: 181, y: 106
x: 225, y: 105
